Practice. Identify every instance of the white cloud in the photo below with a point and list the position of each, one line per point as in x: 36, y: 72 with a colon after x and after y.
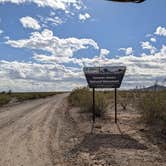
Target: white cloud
x: 46, y: 41
x: 21, y: 76
x: 54, y: 4
x: 128, y: 51
x: 35, y: 71
x: 161, y: 31
x: 152, y: 39
x: 51, y: 68
x: 84, y: 17
x: 1, y: 31
x: 29, y: 22
x: 51, y: 72
x: 52, y: 13
x: 141, y: 70
x: 6, y: 37
x: 53, y: 20
x: 163, y: 50
x: 104, y: 52
x: 148, y: 46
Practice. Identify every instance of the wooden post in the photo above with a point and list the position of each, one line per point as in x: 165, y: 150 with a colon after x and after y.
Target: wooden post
x: 115, y: 105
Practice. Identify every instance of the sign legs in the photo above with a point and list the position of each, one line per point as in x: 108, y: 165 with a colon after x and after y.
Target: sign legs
x: 93, y: 109
x: 93, y: 105
x: 115, y: 105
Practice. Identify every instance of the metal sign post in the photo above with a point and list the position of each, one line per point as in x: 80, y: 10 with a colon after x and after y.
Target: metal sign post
x: 104, y: 77
x: 94, y: 105
x: 115, y: 105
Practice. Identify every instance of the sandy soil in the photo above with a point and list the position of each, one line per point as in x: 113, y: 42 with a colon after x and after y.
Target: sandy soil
x: 46, y: 132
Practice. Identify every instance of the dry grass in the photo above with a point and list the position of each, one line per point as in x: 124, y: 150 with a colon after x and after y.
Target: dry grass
x: 152, y: 106
x: 82, y: 97
x: 5, y: 98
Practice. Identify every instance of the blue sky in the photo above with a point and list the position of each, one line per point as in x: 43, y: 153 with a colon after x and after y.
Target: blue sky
x: 43, y: 46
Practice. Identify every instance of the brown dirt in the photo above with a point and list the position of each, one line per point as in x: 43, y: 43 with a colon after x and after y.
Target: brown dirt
x: 45, y: 132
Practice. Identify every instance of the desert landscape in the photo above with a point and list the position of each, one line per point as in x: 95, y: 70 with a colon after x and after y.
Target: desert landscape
x: 82, y: 83
x: 51, y: 131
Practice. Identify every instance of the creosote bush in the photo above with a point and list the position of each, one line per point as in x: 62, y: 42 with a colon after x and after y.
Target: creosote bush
x: 82, y: 97
x: 153, y: 107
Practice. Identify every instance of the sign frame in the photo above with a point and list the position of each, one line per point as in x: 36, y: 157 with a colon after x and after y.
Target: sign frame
x: 106, y: 75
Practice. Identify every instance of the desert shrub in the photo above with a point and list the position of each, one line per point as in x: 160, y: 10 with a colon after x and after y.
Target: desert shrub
x: 4, y: 99
x: 82, y: 97
x: 123, y: 99
x: 153, y: 107
x: 101, y: 104
x: 32, y: 95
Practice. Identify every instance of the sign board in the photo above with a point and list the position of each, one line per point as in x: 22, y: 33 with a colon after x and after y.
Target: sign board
x: 104, y: 77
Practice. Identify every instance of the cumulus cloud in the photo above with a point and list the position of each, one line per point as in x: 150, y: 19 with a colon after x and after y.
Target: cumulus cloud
x: 104, y: 52
x: 46, y: 41
x: 128, y: 51
x: 52, y: 20
x: 21, y: 76
x: 54, y: 4
x: 29, y: 22
x: 51, y: 71
x: 51, y: 68
x: 148, y: 46
x: 161, y: 31
x: 141, y: 70
x: 152, y: 39
x: 35, y: 71
x: 84, y: 17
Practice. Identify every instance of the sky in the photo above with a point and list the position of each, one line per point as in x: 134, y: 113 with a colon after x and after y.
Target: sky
x: 44, y: 44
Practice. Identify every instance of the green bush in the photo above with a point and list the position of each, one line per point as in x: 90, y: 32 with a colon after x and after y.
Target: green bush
x: 101, y: 104
x: 82, y: 97
x: 153, y: 107
x: 4, y: 99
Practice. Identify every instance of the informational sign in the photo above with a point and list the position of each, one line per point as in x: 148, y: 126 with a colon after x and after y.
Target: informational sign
x: 104, y: 77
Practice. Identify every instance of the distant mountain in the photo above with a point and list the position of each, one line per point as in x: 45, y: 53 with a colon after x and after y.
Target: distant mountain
x: 155, y: 87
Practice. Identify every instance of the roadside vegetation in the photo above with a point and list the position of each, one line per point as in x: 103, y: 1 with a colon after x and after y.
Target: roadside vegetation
x: 152, y: 106
x: 82, y: 97
x: 8, y: 97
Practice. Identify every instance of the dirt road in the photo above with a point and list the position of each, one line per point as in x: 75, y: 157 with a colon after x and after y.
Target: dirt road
x: 46, y: 132
x: 29, y: 132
